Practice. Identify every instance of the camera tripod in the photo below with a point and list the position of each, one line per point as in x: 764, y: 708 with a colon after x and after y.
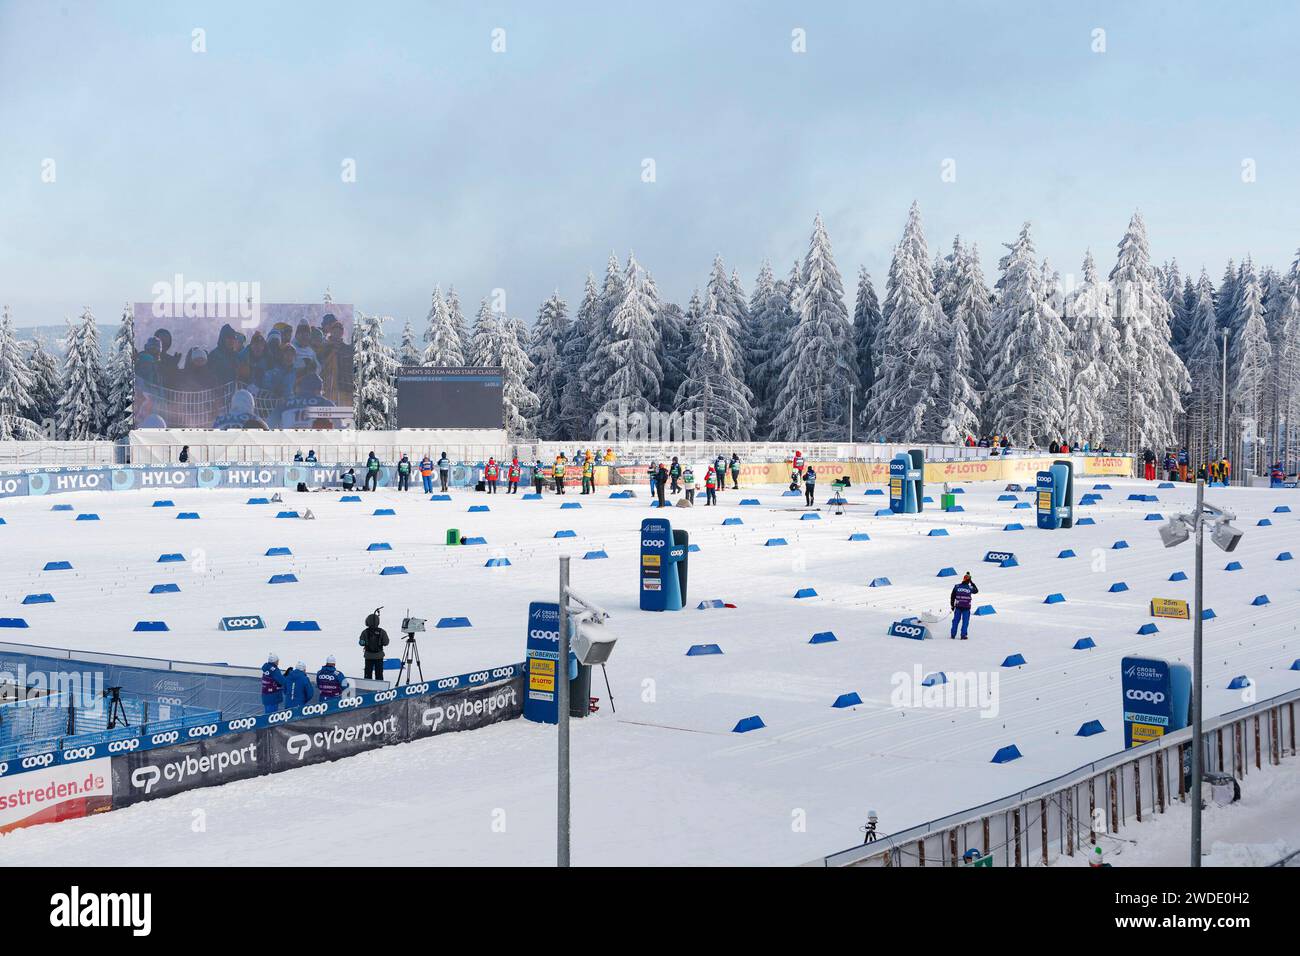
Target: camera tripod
x: 116, y: 710
x: 410, y: 662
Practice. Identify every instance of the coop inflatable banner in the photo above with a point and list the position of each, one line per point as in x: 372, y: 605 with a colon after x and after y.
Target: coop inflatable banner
x: 1157, y: 695
x: 663, y: 566
x: 541, y: 700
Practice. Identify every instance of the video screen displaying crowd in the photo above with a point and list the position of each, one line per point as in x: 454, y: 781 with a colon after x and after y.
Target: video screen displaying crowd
x: 222, y: 376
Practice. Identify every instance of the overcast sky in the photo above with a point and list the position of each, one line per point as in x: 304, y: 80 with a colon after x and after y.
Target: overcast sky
x: 523, y: 169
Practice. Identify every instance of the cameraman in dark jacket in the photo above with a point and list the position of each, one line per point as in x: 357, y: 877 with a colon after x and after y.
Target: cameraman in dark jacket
x: 374, y: 639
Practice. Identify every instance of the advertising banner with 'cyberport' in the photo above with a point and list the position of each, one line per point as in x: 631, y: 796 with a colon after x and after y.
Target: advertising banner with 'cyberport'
x: 340, y: 733
x: 192, y: 763
x: 466, y: 710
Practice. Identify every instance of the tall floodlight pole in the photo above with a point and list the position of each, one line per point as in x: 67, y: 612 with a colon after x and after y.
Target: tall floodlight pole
x: 1178, y: 529
x: 562, y: 685
x: 1198, y: 602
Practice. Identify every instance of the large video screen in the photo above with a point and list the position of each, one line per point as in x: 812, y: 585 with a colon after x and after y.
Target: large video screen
x: 450, y: 398
x: 279, y: 366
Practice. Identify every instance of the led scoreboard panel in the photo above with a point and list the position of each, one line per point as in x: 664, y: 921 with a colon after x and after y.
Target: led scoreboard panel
x: 452, y: 397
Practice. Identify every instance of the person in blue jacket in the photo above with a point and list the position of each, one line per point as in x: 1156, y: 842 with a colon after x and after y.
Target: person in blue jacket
x: 330, y: 681
x: 297, y: 686
x: 272, y: 684
x: 960, y: 601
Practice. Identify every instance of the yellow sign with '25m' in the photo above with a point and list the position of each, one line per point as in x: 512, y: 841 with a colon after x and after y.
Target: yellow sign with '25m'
x: 1169, y: 607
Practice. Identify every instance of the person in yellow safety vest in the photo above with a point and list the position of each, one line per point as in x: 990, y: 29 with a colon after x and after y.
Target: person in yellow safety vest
x: 609, y: 456
x: 558, y: 472
x: 1225, y: 469
x: 1214, y: 471
x: 588, y: 476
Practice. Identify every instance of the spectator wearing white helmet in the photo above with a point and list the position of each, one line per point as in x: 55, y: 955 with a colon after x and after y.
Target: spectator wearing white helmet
x: 272, y: 684
x: 330, y: 681
x: 297, y: 686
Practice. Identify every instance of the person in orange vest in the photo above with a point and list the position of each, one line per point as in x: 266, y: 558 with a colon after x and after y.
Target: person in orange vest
x: 1225, y: 469
x: 490, y: 476
x: 426, y: 473
x: 512, y: 477
x: 710, y: 487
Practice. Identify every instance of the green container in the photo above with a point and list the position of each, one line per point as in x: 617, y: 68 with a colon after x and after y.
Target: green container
x: 948, y: 501
x: 453, y: 536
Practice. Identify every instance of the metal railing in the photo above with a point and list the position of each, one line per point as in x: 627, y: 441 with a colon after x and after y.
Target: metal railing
x: 1091, y: 804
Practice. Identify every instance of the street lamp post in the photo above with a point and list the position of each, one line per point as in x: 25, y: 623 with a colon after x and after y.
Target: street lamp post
x: 1198, y: 609
x: 593, y: 647
x: 1173, y: 533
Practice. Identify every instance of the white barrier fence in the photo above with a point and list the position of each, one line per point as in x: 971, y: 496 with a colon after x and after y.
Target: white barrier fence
x: 163, y: 447
x: 1069, y: 814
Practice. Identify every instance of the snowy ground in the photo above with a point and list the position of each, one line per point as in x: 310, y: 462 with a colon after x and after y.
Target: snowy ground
x: 664, y: 781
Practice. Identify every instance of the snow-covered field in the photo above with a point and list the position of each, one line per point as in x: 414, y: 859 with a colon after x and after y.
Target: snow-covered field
x: 662, y: 781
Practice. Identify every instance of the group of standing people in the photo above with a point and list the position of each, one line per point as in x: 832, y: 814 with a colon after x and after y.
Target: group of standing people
x: 292, y: 687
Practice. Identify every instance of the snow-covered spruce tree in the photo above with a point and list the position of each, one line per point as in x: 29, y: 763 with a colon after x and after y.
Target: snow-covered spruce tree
x: 774, y: 319
x: 907, y: 402
x: 1171, y: 285
x: 866, y: 324
x: 548, y: 376
x: 120, y: 376
x: 17, y: 407
x: 47, y: 385
x: 711, y: 394
x: 1095, y: 357
x: 1202, y: 350
x: 456, y: 320
x: 409, y: 353
x: 812, y: 405
x: 1026, y: 388
x: 961, y: 406
x: 1149, y: 396
x: 442, y: 335
x: 373, y: 364
x: 577, y: 403
x: 519, y: 403
x: 625, y: 371
x: 971, y: 303
x: 482, y: 342
x: 612, y: 291
x: 1225, y: 300
x: 734, y: 310
x: 674, y: 347
x: 1250, y: 355
x: 81, y: 399
x: 1287, y: 370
